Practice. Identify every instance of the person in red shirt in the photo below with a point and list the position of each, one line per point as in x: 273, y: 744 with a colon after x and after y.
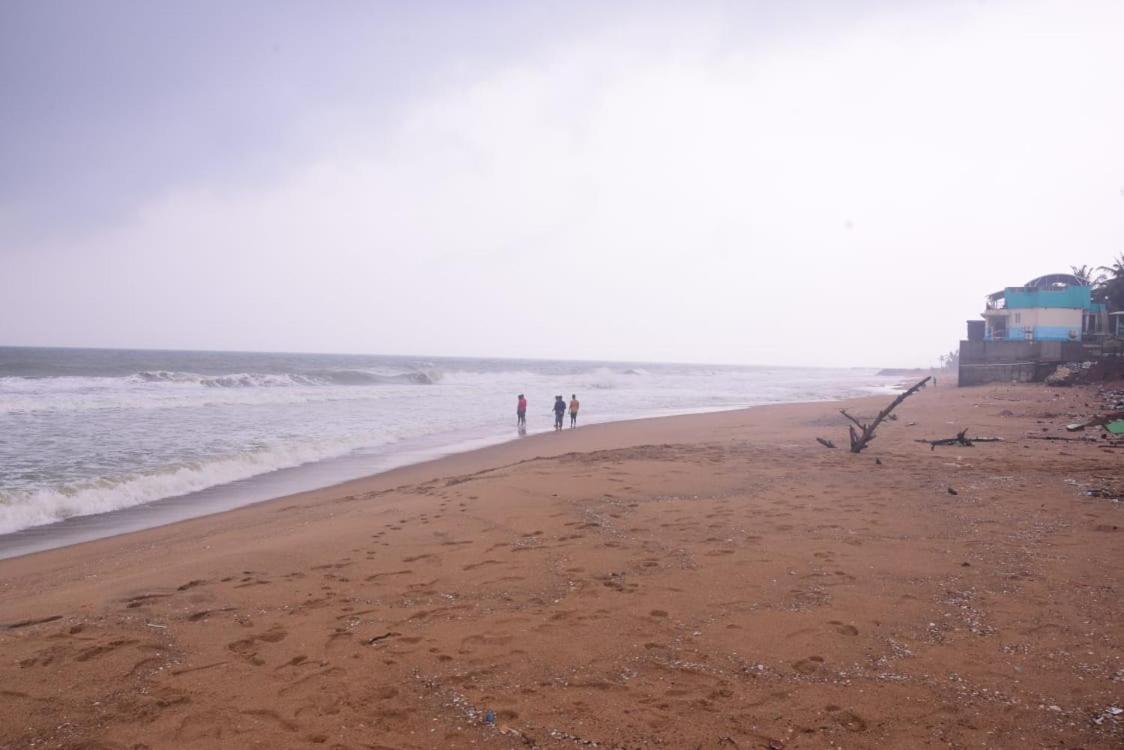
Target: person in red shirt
x: 521, y: 412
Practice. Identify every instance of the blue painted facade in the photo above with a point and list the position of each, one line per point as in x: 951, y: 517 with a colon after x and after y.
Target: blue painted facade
x: 1075, y: 297
x: 1055, y: 307
x: 1044, y: 333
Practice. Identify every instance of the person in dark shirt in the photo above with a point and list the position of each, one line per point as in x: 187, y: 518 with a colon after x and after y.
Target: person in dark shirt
x: 559, y: 412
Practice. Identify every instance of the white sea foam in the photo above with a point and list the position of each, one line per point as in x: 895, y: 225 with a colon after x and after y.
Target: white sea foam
x: 23, y: 509
x: 232, y: 380
x: 170, y: 390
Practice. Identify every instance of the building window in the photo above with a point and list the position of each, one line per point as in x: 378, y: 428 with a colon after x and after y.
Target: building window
x: 1018, y: 317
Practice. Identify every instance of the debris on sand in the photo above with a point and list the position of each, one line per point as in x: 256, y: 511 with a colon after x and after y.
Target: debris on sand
x: 961, y: 438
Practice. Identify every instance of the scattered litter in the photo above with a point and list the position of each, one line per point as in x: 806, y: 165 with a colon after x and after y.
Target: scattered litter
x: 1105, y: 419
x: 1109, y: 713
x: 1066, y: 375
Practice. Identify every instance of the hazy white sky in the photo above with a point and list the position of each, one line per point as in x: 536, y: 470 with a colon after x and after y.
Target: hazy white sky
x: 777, y: 183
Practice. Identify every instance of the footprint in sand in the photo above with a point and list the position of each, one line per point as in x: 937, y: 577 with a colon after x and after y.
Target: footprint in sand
x: 332, y: 566
x: 850, y: 721
x: 29, y: 623
x: 205, y: 613
x: 377, y: 576
x: 808, y: 666
x: 296, y: 661
x: 94, y: 652
x: 191, y: 584
x: 843, y: 629
x: 481, y: 564
x: 337, y: 638
x: 486, y: 639
x: 272, y: 717
x: 246, y: 647
x: 143, y: 600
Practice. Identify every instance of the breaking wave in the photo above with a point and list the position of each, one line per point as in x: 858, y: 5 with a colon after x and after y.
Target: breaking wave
x: 270, y: 380
x: 22, y: 509
x: 167, y: 389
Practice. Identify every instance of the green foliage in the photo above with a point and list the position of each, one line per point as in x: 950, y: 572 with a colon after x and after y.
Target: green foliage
x: 1111, y: 286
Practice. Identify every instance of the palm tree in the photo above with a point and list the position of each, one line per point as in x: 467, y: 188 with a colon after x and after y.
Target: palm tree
x: 1111, y: 286
x: 1116, y: 269
x: 1088, y: 276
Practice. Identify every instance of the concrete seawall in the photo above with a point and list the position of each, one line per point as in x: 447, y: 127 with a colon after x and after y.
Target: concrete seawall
x: 1018, y: 361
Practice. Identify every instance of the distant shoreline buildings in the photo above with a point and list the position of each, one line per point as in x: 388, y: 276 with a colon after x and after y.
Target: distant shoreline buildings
x: 1028, y: 330
x: 1057, y: 307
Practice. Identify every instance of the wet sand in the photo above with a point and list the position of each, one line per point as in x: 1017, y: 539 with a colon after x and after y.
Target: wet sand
x: 706, y: 581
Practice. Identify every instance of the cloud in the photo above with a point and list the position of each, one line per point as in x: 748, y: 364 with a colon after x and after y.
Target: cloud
x: 653, y: 191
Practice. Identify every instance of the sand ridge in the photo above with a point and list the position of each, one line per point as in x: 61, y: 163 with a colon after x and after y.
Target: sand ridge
x: 712, y: 581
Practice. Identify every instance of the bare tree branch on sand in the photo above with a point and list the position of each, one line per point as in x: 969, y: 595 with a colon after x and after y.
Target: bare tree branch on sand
x: 864, y: 433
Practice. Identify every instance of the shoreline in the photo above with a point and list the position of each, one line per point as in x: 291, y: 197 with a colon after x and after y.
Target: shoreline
x: 271, y: 485
x: 686, y: 581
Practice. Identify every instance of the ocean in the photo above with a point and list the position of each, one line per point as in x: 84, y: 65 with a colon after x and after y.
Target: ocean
x: 98, y: 441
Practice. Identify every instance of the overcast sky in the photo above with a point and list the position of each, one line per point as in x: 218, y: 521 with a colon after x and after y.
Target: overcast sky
x: 834, y: 183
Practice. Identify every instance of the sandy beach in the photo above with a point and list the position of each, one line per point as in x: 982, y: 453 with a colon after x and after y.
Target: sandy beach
x: 706, y: 581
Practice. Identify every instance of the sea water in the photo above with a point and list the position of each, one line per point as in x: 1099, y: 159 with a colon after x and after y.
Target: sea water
x: 85, y: 431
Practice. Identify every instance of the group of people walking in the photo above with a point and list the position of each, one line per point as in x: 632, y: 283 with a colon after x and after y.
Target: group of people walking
x: 559, y: 411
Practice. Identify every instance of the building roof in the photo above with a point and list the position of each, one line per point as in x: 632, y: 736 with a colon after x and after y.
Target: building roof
x: 1051, y: 290
x: 1054, y: 281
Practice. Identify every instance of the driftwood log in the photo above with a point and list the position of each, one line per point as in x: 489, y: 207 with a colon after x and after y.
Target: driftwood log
x: 825, y: 442
x: 862, y: 436
x: 960, y: 439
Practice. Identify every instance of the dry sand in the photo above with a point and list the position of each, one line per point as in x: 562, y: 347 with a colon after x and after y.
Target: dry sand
x: 712, y: 581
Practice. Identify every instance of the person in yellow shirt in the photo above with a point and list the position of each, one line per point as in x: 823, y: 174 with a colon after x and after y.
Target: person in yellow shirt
x: 574, y: 405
